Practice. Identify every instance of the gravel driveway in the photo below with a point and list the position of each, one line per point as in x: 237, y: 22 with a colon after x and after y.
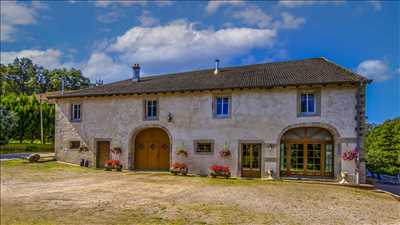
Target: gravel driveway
x: 54, y: 193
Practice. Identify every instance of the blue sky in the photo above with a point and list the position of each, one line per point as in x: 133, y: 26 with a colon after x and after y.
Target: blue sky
x: 104, y: 38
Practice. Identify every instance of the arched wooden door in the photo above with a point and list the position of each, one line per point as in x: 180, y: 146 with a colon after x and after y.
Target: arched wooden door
x: 152, y: 150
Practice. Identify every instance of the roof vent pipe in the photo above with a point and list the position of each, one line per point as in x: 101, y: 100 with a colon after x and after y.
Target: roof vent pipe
x: 136, y: 72
x: 216, y: 71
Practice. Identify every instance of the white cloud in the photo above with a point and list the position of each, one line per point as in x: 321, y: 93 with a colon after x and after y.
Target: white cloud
x: 214, y: 5
x: 181, y: 45
x: 374, y: 69
x: 377, y: 5
x: 290, y: 22
x: 253, y: 15
x: 105, y: 3
x: 98, y: 66
x: 102, y: 66
x: 299, y: 3
x: 49, y: 58
x: 14, y: 14
x: 147, y: 20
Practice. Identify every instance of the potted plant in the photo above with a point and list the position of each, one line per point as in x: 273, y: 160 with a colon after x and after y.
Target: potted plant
x: 108, y: 165
x: 181, y: 150
x: 217, y: 170
x: 225, y: 152
x: 113, y: 164
x: 179, y: 168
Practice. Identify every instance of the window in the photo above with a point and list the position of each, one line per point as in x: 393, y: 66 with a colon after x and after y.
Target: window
x: 74, y: 144
x: 204, y: 146
x: 76, y: 112
x: 222, y: 106
x: 151, y: 109
x: 307, y: 103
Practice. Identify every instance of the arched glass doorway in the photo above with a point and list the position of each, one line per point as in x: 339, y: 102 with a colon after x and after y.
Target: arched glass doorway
x: 152, y: 150
x: 307, y: 151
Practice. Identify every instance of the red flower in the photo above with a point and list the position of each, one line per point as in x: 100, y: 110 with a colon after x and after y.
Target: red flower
x: 218, y: 168
x: 112, y: 162
x: 350, y: 155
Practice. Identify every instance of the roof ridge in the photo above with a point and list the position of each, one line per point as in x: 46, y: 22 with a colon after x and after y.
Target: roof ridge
x: 347, y: 70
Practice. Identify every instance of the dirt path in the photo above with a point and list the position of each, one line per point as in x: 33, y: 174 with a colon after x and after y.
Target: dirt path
x: 60, y: 194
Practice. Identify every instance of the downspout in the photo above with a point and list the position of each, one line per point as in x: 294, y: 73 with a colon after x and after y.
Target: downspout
x: 358, y: 130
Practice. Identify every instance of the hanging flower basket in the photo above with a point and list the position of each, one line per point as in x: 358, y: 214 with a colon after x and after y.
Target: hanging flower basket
x: 83, y: 148
x: 116, y: 150
x: 182, y: 152
x: 217, y: 170
x: 179, y: 168
x: 225, y: 152
x: 349, y: 155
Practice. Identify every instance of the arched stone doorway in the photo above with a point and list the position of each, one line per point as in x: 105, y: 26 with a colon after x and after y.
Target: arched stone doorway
x: 307, y: 151
x: 152, y: 150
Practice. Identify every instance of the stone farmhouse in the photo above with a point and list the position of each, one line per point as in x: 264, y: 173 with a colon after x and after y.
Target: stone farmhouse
x: 301, y: 119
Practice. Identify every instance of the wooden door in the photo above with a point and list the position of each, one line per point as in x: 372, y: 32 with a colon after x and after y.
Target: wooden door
x: 251, y: 160
x: 103, y: 153
x: 152, y: 150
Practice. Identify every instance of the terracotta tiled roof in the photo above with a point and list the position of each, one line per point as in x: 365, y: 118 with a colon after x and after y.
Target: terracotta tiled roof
x: 289, y: 73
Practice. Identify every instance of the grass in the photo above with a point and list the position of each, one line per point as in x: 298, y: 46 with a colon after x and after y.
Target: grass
x: 55, y: 193
x: 26, y: 148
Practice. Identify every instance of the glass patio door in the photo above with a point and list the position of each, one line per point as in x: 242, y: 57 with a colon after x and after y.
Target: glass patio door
x: 314, y: 159
x: 251, y: 160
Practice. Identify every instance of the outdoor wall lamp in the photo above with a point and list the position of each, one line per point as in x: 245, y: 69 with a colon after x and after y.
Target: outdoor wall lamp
x: 269, y: 147
x: 169, y: 118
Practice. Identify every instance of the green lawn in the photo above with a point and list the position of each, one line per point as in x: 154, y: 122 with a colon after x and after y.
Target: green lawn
x: 26, y: 148
x: 55, y: 193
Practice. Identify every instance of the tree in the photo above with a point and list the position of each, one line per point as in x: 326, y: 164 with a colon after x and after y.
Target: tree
x: 383, y: 147
x: 20, y: 76
x: 24, y: 77
x: 27, y: 108
x: 8, y: 121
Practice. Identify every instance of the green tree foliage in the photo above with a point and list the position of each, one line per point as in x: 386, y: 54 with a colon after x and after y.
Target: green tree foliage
x: 26, y: 108
x: 24, y: 77
x: 383, y: 147
x: 20, y: 81
x: 8, y: 120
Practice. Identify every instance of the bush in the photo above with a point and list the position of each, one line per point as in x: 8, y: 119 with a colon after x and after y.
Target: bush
x: 383, y: 148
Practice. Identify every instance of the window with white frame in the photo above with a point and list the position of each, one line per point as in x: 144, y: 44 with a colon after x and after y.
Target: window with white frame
x: 151, y: 109
x: 76, y: 112
x: 307, y: 103
x: 222, y: 106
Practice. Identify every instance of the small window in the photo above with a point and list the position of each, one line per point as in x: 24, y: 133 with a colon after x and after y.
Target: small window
x: 76, y: 112
x: 74, y: 144
x: 222, y: 106
x: 151, y: 109
x: 308, y: 103
x: 204, y: 146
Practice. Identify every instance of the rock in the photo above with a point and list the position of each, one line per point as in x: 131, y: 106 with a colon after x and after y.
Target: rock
x: 34, y: 158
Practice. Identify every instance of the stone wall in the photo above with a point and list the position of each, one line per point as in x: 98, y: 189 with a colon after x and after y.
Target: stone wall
x: 257, y: 115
